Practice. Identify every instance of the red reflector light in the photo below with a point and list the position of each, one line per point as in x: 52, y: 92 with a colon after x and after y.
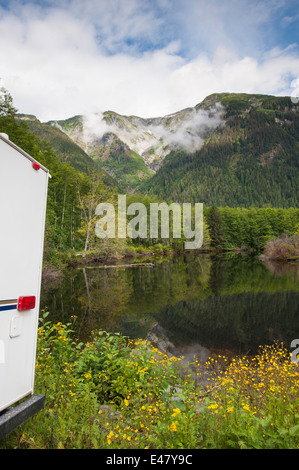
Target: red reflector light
x: 36, y: 166
x: 26, y: 303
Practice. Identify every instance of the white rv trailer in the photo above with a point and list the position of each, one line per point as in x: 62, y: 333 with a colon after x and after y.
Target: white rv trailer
x: 23, y: 197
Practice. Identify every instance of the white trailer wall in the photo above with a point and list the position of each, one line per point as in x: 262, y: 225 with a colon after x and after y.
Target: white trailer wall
x: 23, y: 195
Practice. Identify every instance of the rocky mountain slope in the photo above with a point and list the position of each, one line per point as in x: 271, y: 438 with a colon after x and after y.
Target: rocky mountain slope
x: 152, y: 139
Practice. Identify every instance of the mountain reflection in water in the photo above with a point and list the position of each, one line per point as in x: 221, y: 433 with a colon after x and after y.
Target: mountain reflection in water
x: 202, y: 302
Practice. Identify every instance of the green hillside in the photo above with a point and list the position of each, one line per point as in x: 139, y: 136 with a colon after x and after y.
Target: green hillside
x: 252, y: 160
x: 64, y: 147
x: 109, y: 153
x: 122, y: 163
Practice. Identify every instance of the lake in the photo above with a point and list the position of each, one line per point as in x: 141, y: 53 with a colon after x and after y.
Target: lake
x: 198, y: 303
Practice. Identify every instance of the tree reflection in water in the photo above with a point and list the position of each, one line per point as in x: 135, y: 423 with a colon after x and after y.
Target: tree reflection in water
x: 233, y: 302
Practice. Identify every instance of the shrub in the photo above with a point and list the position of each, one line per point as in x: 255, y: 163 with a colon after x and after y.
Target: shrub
x: 283, y: 248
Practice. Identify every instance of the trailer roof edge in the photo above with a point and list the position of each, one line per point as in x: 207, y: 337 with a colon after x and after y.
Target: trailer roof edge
x: 25, y: 154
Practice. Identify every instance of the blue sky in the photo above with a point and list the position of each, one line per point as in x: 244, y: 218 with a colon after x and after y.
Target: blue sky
x: 144, y: 57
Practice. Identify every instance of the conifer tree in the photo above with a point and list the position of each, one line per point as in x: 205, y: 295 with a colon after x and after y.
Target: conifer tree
x: 216, y: 228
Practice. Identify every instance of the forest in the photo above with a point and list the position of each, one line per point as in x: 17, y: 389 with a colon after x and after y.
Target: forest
x: 75, y: 190
x: 251, y: 161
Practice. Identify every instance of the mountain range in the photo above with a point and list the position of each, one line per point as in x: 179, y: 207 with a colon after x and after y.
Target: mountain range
x: 230, y: 149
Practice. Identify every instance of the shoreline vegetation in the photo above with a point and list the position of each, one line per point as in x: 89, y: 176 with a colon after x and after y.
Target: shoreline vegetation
x: 284, y: 249
x: 116, y: 393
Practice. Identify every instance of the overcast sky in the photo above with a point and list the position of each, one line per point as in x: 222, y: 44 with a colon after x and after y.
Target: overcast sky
x: 149, y: 58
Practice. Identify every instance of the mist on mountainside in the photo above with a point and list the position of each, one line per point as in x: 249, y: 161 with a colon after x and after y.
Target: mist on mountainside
x: 185, y: 130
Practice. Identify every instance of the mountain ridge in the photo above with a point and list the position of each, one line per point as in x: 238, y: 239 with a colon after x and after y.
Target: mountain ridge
x: 224, y: 144
x: 152, y: 138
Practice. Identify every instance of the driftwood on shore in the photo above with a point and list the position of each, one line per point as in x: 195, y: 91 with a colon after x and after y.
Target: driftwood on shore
x: 132, y: 265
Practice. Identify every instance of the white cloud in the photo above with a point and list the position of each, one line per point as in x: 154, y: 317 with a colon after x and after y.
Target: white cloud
x: 295, y: 91
x: 190, y: 130
x: 90, y: 56
x: 94, y: 126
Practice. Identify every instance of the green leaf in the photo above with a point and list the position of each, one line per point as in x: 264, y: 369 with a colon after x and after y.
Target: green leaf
x: 294, y: 430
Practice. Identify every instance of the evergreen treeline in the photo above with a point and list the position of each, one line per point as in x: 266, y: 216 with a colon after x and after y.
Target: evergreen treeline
x: 249, y: 228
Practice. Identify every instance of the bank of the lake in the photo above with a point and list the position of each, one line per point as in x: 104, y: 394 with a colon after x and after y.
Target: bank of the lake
x: 115, y: 393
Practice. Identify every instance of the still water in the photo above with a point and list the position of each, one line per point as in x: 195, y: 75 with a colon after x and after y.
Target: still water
x: 228, y: 303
